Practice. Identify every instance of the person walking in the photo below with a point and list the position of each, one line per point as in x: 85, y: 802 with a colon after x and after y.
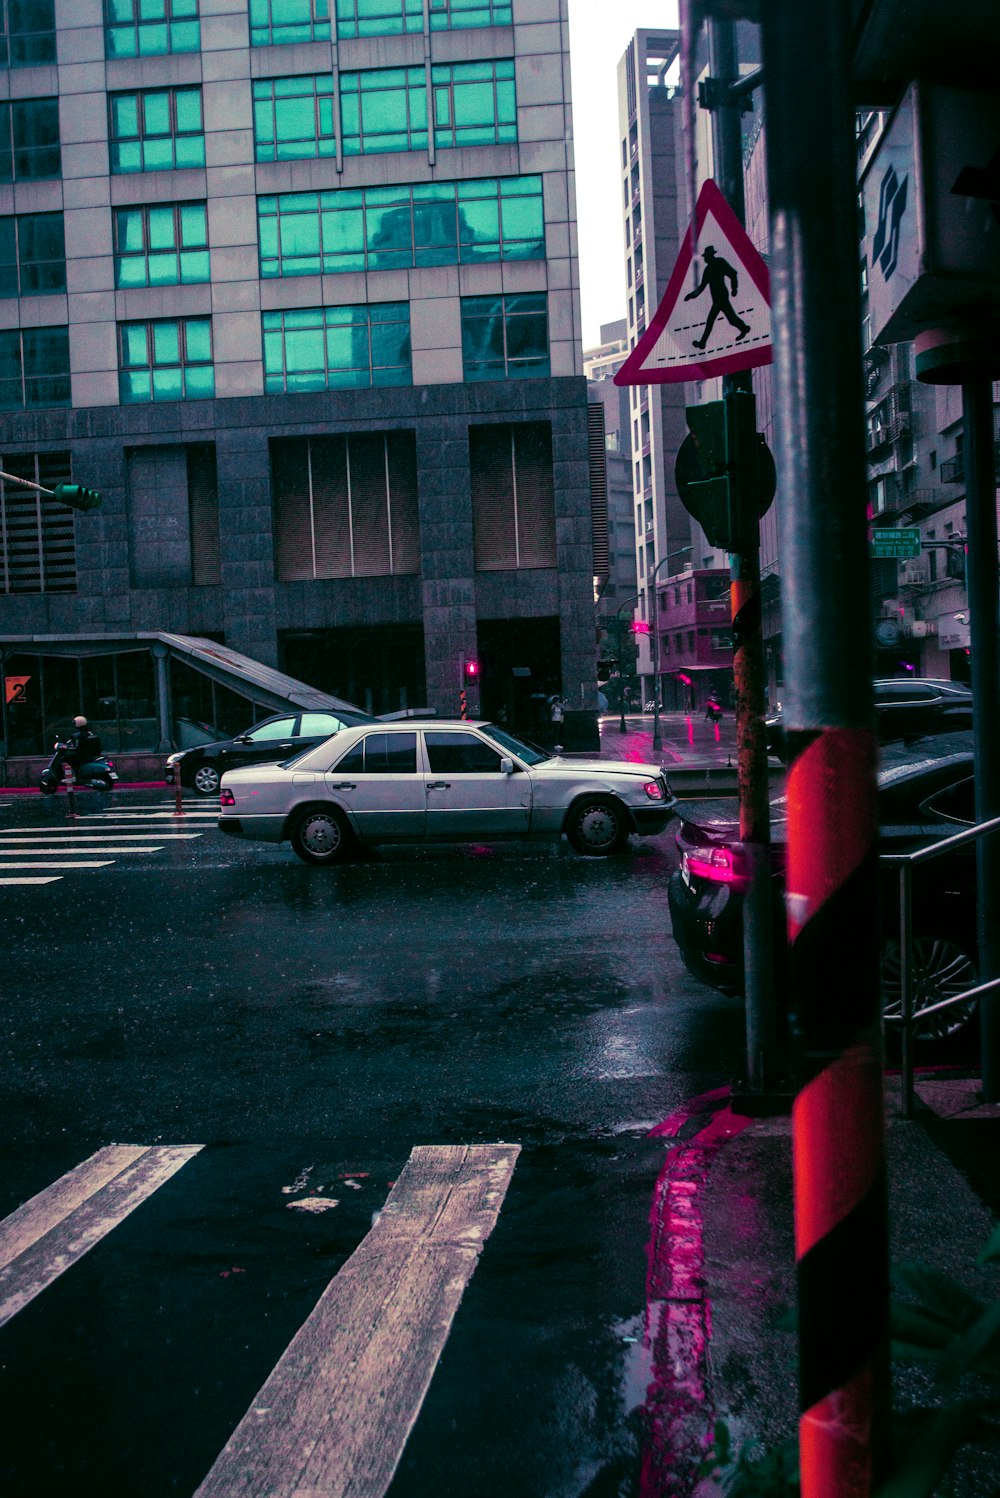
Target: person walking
x: 721, y: 280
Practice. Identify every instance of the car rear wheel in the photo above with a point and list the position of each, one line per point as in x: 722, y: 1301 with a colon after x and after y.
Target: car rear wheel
x: 206, y: 780
x: 597, y: 826
x: 941, y: 970
x: 321, y: 836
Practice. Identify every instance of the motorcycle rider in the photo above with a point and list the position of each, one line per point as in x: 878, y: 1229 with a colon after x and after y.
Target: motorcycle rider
x: 82, y: 746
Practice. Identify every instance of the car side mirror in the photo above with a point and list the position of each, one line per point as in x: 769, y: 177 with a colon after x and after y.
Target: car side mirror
x: 506, y: 767
x: 242, y: 738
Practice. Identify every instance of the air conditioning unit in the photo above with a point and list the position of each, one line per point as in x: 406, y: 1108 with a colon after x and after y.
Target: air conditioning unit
x: 921, y: 628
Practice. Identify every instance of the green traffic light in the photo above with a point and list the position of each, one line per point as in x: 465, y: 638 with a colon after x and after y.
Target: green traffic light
x: 77, y: 496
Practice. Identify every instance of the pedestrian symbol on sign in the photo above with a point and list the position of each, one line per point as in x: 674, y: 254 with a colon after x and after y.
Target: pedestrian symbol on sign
x: 721, y: 280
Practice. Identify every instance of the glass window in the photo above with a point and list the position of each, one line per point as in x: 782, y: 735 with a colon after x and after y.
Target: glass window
x: 161, y: 245
x: 157, y: 130
x: 280, y: 728
x: 32, y: 254
x: 314, y: 724
x: 460, y: 754
x: 29, y: 139
x: 34, y: 368
x: 386, y: 228
x: 330, y: 348
x: 456, y: 13
x: 505, y: 337
x: 273, y: 22
x: 165, y: 360
x: 383, y: 109
x: 293, y: 117
x: 29, y: 33
x: 390, y: 754
x: 474, y: 103
x: 378, y: 17
x: 150, y: 28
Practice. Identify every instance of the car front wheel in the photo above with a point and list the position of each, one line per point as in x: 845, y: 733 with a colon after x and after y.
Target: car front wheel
x: 321, y: 836
x: 941, y: 970
x: 206, y: 780
x: 597, y: 826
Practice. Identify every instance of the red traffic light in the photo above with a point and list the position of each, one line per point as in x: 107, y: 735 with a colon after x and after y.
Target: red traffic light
x: 472, y: 668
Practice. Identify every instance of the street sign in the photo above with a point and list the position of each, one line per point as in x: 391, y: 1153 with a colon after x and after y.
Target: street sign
x: 722, y: 322
x: 901, y: 542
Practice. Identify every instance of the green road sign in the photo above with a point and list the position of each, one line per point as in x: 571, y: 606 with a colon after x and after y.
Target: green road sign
x: 902, y: 542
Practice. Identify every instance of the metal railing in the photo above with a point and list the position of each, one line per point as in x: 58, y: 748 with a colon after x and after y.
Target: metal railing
x: 907, y: 1019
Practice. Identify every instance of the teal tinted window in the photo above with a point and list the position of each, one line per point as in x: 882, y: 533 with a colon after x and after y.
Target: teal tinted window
x: 162, y: 244
x: 165, y: 360
x: 334, y: 348
x: 474, y: 103
x: 293, y: 117
x: 385, y: 228
x: 156, y: 130
x: 29, y: 139
x: 505, y: 337
x: 378, y: 17
x: 454, y: 13
x: 273, y: 22
x: 32, y: 254
x: 34, y: 368
x: 29, y: 33
x: 383, y: 109
x: 150, y: 28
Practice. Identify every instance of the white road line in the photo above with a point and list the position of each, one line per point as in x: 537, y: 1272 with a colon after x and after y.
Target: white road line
x: 28, y: 879
x: 63, y: 863
x: 55, y: 1228
x: 105, y: 834
x: 61, y: 851
x: 336, y: 1412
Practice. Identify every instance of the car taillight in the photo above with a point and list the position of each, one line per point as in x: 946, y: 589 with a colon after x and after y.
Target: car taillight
x: 226, y: 798
x: 717, y: 865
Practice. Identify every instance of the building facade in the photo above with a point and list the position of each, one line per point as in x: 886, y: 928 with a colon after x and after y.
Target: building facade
x: 297, y: 291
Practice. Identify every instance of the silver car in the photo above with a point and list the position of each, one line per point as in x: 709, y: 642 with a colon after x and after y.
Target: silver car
x: 444, y: 781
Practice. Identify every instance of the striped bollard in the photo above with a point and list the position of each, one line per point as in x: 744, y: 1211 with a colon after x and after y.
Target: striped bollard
x: 838, y: 1113
x: 462, y: 707
x: 69, y: 781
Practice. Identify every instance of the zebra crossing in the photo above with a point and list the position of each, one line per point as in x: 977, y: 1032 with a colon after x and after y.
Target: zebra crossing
x: 45, y: 854
x: 365, y: 1356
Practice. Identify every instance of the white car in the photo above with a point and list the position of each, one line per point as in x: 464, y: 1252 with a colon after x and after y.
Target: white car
x: 444, y: 781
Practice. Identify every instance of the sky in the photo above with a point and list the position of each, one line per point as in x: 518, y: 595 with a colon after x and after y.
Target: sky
x: 599, y: 32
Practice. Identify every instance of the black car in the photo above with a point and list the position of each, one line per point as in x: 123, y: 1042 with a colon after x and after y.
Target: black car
x: 905, y: 707
x: 266, y: 743
x: 925, y: 793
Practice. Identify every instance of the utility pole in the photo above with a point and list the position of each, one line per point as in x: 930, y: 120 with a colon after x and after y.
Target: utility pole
x: 841, y: 1232
x: 763, y: 1067
x: 655, y: 611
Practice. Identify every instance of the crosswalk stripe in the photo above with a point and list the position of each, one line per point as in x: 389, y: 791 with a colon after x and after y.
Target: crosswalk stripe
x: 55, y: 1228
x: 72, y: 835
x: 64, y: 863
x: 29, y: 879
x: 336, y: 1412
x: 19, y: 852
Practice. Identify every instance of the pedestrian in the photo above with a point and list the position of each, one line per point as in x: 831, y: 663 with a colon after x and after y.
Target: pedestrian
x: 715, y: 276
x: 556, y: 716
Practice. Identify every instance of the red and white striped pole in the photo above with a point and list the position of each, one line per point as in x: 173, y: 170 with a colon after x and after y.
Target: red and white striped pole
x: 832, y: 882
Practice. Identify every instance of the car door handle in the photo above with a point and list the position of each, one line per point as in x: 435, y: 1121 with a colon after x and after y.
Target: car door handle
x: 439, y: 785
x: 344, y: 785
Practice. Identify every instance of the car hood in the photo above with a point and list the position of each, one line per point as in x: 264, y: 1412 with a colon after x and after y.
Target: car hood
x: 557, y: 765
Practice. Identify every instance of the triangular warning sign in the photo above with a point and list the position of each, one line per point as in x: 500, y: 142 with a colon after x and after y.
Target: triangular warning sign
x: 715, y: 316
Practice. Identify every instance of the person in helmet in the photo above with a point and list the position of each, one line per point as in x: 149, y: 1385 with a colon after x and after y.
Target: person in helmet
x: 84, y: 745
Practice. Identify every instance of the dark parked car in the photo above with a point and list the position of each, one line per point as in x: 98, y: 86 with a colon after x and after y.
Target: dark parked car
x: 904, y: 707
x: 266, y: 743
x: 925, y: 793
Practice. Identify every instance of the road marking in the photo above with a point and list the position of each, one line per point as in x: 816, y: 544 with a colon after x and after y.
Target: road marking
x: 76, y: 863
x: 72, y: 835
x: 19, y: 852
x: 55, y: 1228
x: 335, y: 1414
x: 51, y: 879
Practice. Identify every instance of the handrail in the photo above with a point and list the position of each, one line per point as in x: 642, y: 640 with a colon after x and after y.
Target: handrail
x: 905, y: 863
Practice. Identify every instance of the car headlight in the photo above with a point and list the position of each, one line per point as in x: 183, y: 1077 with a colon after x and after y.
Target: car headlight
x: 174, y: 759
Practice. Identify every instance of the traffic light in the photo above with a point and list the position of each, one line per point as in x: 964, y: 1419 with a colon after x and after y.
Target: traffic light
x: 77, y: 496
x: 471, y: 670
x: 724, y: 470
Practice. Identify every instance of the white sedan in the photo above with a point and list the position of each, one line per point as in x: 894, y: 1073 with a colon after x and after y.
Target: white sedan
x: 444, y: 781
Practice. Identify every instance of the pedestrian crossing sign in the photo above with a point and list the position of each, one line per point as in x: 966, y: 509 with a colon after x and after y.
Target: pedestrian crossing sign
x: 715, y: 315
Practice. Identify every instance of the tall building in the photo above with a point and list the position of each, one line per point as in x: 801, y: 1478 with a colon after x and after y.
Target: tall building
x: 295, y: 287
x: 617, y: 592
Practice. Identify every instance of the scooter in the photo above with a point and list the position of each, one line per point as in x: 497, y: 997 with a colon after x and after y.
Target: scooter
x: 96, y: 775
x: 713, y: 711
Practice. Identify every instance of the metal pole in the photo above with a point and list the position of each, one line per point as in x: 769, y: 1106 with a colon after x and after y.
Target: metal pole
x: 841, y: 1234
x: 763, y: 1067
x: 621, y: 662
x: 982, y: 583
x: 657, y: 740
x: 906, y: 982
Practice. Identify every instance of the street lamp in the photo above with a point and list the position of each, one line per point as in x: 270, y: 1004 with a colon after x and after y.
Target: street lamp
x: 657, y: 741
x: 621, y: 673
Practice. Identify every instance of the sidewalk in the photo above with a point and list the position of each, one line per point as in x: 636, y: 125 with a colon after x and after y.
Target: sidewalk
x: 722, y: 1269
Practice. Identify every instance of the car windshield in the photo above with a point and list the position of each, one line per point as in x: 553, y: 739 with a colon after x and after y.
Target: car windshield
x: 529, y: 753
x: 309, y: 749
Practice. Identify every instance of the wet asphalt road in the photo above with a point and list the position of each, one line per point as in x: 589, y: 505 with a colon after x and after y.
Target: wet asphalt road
x: 310, y: 1026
